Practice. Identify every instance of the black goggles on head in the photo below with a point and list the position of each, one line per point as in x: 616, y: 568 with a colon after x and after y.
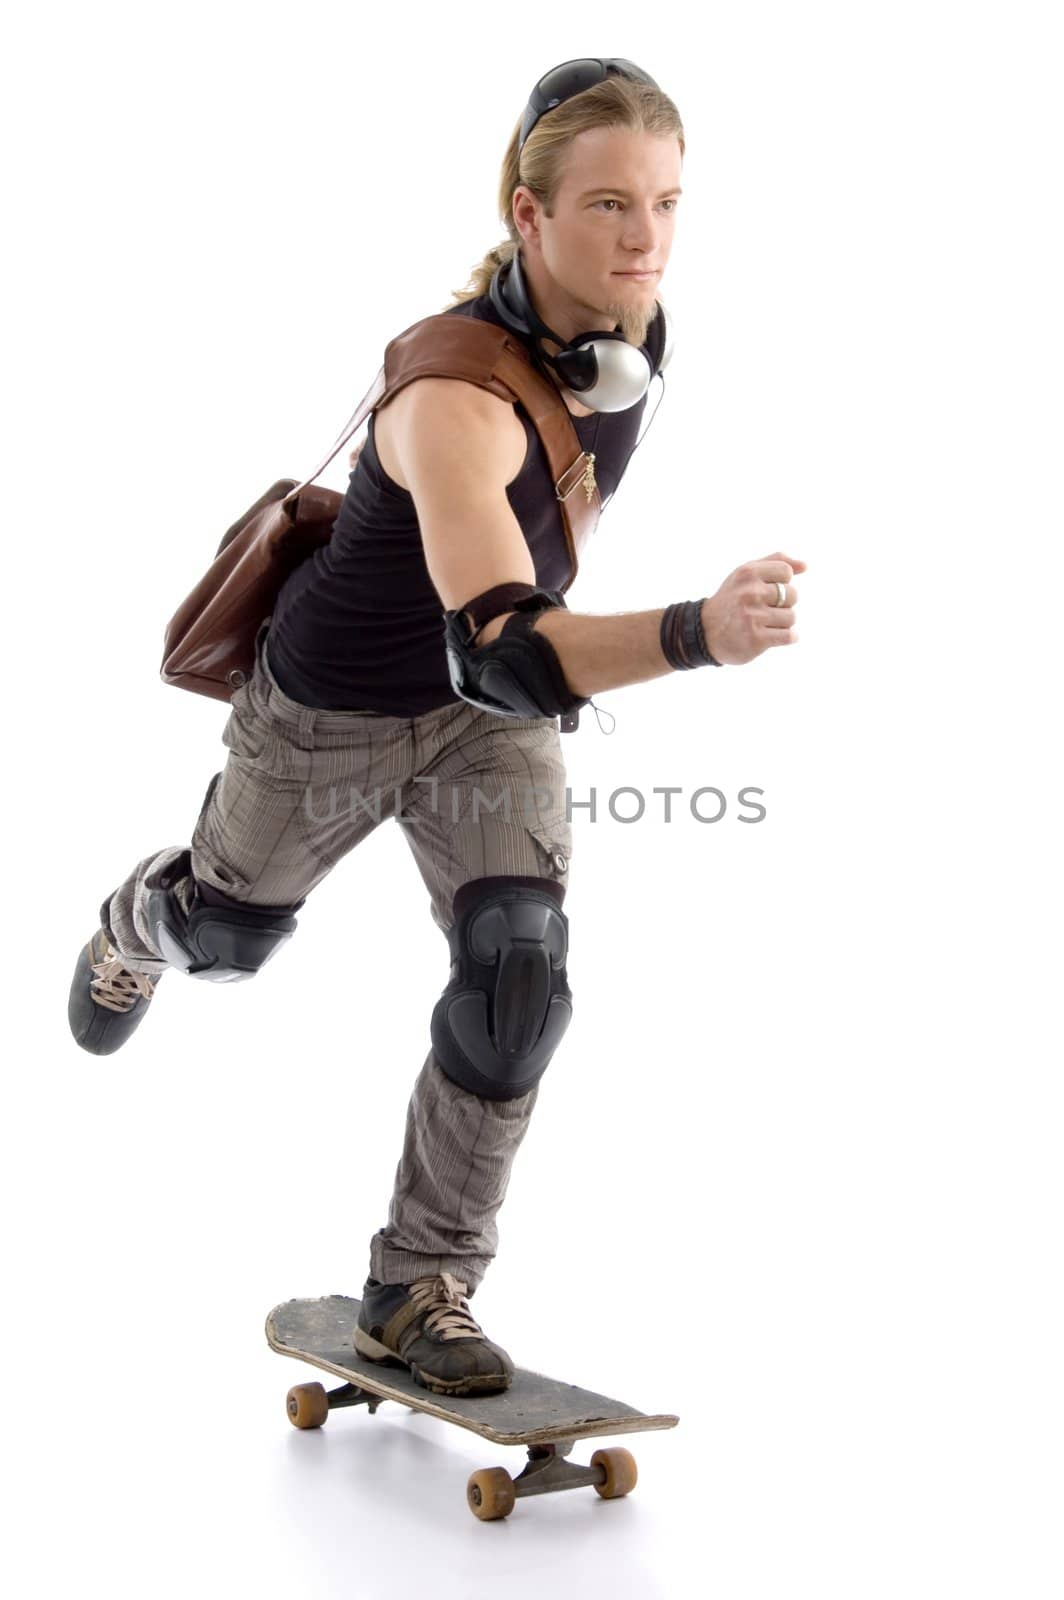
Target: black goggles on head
x: 573, y: 77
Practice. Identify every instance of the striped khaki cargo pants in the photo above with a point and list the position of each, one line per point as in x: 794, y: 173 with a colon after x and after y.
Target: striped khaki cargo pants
x: 476, y: 795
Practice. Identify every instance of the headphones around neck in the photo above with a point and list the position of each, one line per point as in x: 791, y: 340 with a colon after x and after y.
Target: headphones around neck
x: 601, y: 368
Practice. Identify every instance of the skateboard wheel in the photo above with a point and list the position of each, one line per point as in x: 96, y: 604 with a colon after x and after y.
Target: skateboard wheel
x: 621, y: 1474
x: 490, y: 1493
x: 308, y: 1405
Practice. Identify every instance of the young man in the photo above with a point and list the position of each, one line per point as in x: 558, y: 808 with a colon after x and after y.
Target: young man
x: 451, y: 503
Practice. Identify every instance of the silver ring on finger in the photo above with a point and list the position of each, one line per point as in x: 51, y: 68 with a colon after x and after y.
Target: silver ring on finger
x: 781, y: 595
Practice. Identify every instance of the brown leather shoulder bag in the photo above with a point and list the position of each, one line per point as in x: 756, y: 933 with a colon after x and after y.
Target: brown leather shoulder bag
x: 210, y: 640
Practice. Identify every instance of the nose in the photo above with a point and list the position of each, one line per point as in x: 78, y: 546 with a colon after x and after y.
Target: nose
x: 642, y: 231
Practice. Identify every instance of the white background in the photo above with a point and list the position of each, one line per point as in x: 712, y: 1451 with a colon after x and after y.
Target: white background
x: 795, y: 1171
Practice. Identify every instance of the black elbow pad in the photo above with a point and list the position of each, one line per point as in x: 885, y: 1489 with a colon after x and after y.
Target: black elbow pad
x: 516, y: 675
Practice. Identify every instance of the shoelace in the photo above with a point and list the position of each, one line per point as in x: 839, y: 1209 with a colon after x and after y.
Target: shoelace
x: 115, y: 986
x: 448, y: 1315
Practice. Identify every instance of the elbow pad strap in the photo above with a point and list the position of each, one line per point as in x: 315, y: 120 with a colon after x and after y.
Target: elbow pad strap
x: 507, y: 597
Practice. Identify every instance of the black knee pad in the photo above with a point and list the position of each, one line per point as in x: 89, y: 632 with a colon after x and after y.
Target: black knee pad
x: 502, y: 1015
x: 219, y: 939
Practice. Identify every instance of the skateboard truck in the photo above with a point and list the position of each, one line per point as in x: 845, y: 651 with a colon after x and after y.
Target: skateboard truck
x: 348, y: 1394
x: 492, y: 1493
x: 546, y: 1470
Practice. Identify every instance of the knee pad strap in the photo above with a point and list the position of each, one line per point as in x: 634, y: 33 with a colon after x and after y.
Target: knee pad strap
x: 501, y: 1017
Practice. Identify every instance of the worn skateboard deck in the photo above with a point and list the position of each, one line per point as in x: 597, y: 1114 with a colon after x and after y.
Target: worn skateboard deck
x: 534, y: 1410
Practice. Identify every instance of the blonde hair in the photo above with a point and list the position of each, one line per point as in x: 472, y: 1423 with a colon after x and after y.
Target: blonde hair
x: 615, y: 103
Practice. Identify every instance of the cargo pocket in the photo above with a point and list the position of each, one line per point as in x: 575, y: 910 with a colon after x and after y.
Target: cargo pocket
x: 553, y: 850
x: 210, y: 846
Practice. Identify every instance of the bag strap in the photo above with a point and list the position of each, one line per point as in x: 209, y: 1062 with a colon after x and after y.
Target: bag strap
x: 369, y: 400
x: 575, y: 488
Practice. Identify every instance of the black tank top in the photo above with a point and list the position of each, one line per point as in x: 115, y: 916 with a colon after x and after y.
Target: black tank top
x: 358, y: 626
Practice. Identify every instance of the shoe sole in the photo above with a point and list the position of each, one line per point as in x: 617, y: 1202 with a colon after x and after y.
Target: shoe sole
x: 373, y: 1350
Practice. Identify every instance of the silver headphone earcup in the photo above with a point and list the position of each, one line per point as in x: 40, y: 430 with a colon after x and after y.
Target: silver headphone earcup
x: 622, y: 374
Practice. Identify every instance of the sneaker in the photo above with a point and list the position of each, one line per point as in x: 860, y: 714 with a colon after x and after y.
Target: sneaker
x: 107, y: 1000
x: 427, y: 1326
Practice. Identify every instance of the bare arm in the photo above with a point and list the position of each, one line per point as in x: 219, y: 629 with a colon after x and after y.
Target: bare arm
x: 459, y: 446
x: 455, y: 442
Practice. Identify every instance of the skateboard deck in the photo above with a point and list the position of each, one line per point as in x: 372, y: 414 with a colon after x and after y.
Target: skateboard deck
x: 540, y: 1412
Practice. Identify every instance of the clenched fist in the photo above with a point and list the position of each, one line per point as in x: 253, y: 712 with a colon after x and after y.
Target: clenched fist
x: 742, y: 619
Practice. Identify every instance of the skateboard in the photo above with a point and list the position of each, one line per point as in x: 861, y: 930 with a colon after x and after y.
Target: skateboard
x: 539, y: 1412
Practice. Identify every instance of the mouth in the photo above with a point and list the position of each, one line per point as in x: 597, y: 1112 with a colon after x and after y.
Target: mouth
x: 639, y: 277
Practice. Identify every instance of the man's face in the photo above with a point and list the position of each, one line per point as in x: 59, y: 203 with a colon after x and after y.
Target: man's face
x: 614, y: 214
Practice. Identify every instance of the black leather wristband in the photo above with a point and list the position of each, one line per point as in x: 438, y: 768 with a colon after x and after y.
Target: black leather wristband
x: 683, y: 638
